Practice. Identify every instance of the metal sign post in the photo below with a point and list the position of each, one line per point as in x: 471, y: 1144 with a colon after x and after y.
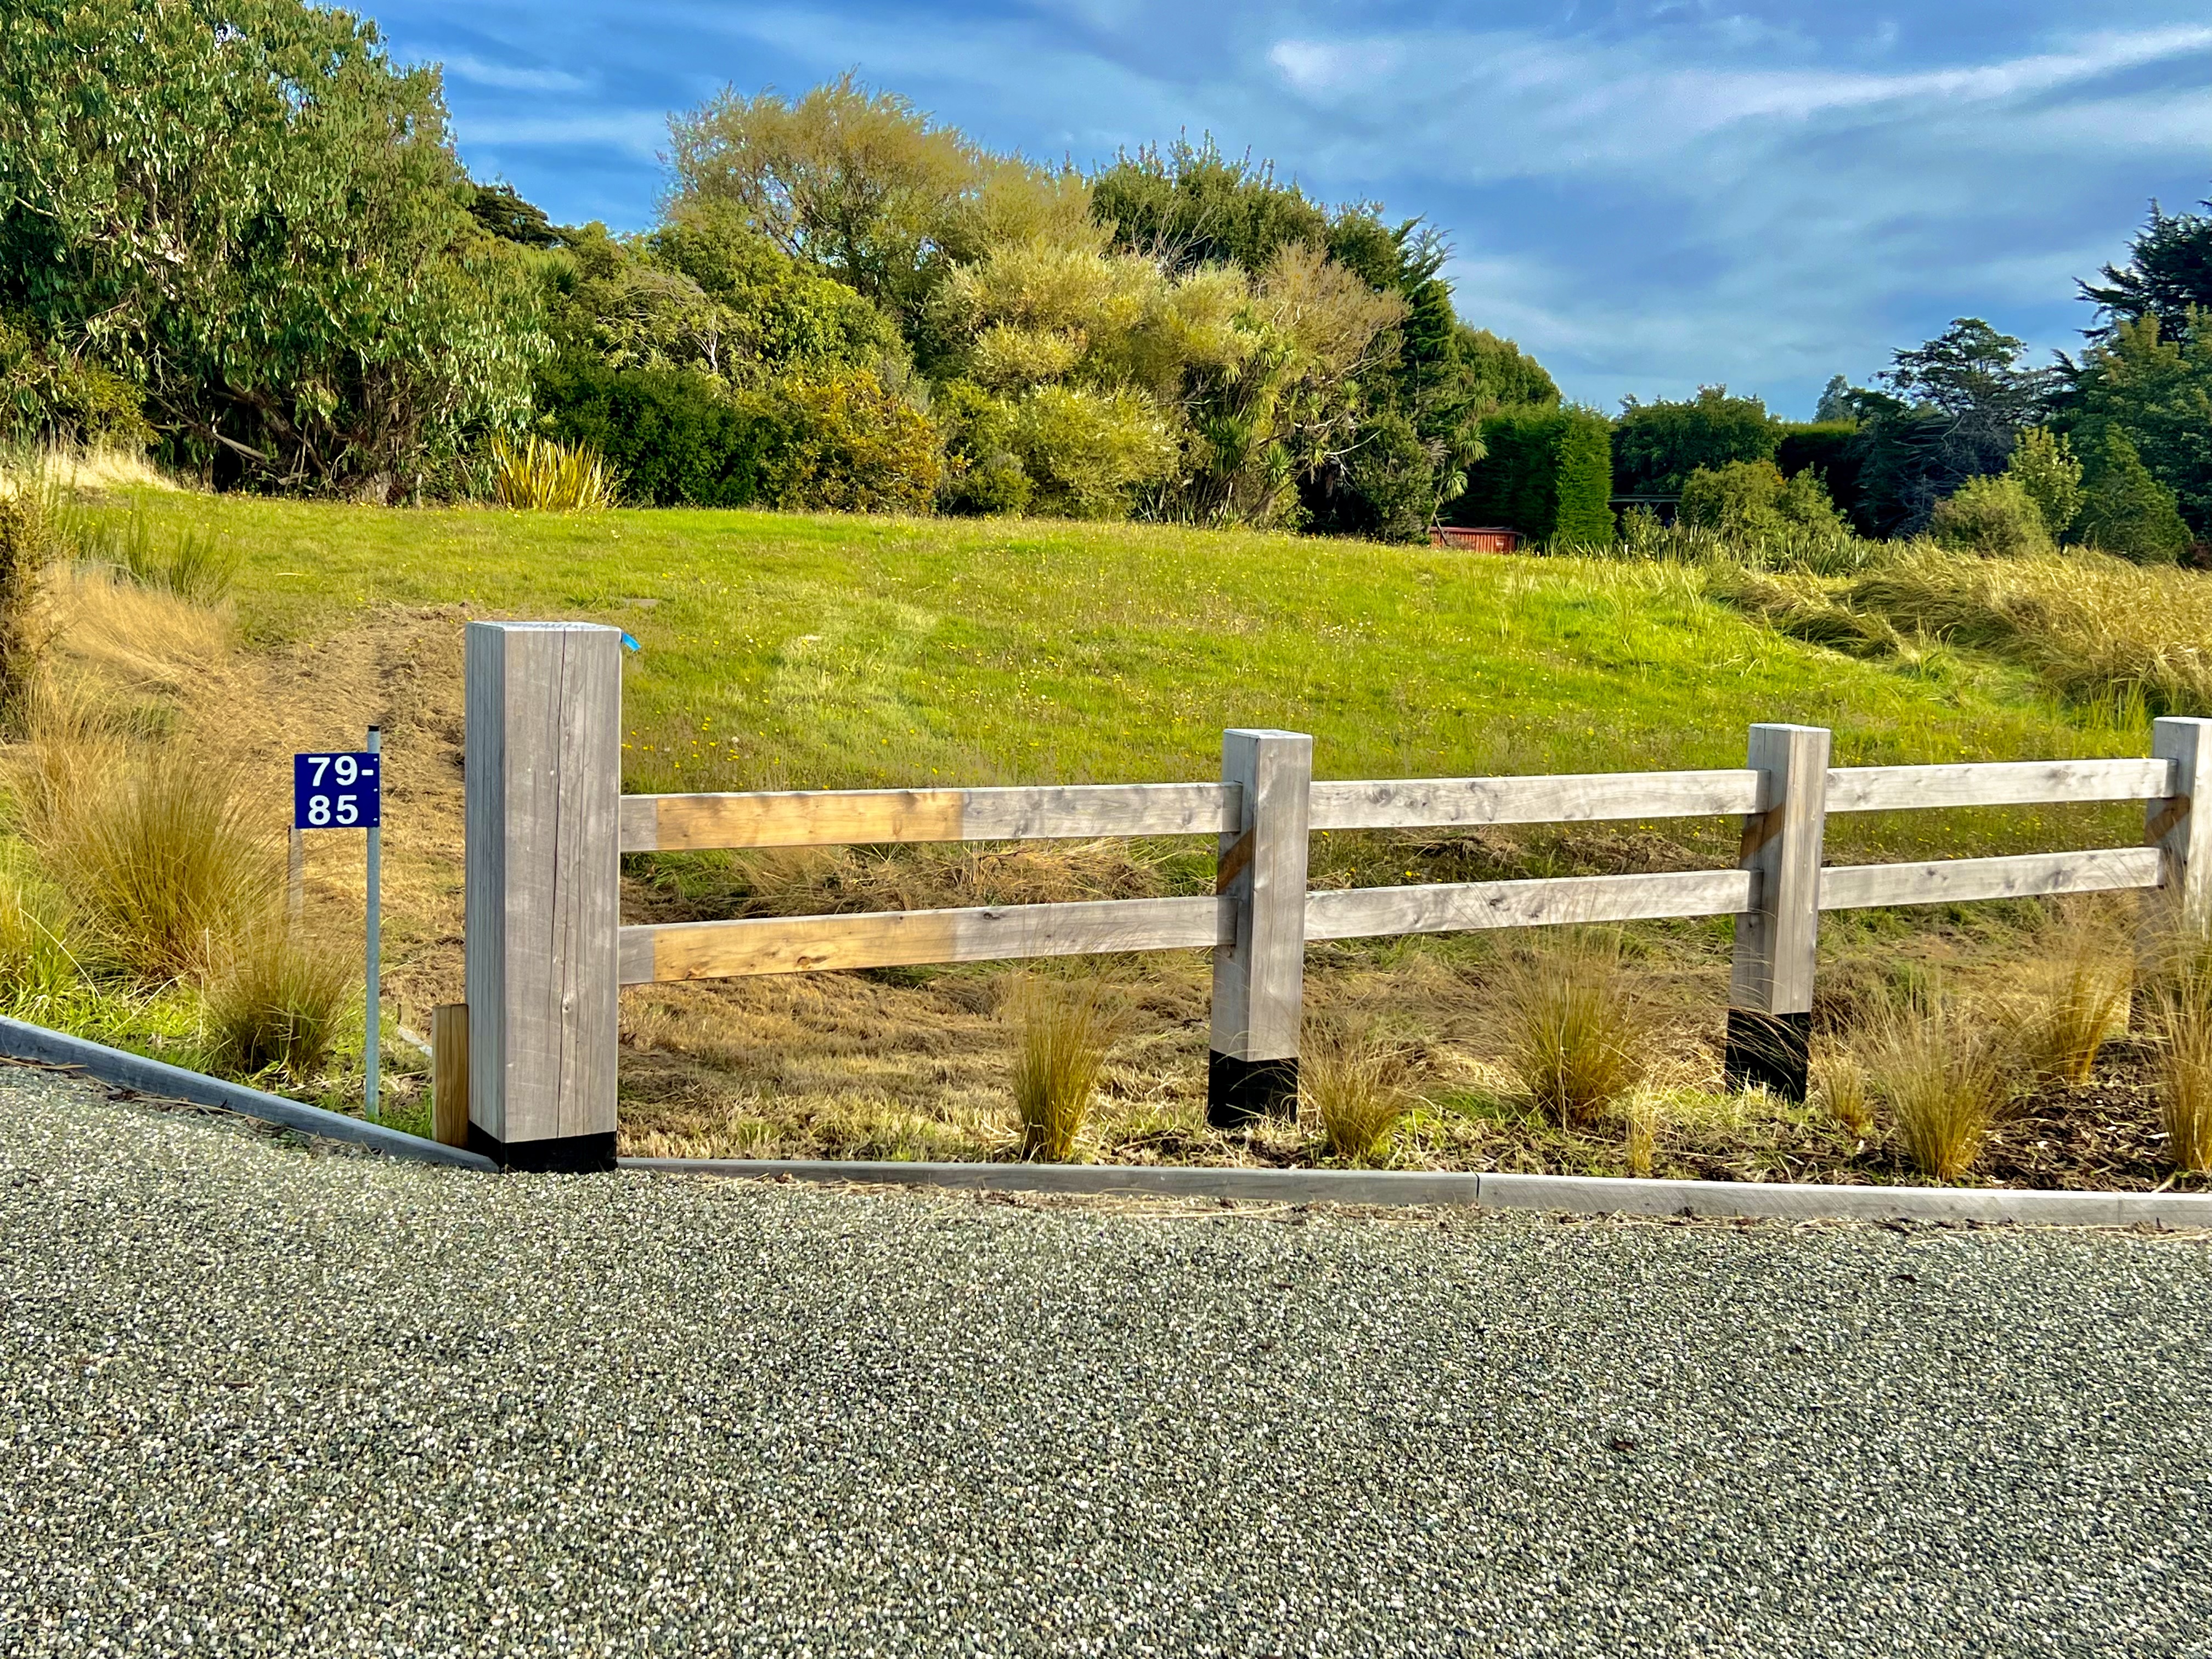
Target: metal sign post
x: 346, y: 792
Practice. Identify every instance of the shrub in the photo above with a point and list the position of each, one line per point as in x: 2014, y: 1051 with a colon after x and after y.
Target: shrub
x: 1065, y: 1032
x: 539, y: 475
x: 1544, y: 472
x: 280, y: 1001
x: 2043, y: 465
x: 1089, y: 452
x: 1993, y: 514
x: 1829, y: 451
x: 1577, y: 1027
x: 1941, y: 1079
x: 846, y: 443
x: 170, y: 866
x: 1356, y: 1090
x: 982, y: 472
x: 677, y: 437
x: 1767, y: 519
x: 2125, y: 510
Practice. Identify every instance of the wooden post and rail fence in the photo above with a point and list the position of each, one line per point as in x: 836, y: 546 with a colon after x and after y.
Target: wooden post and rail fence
x: 547, y: 824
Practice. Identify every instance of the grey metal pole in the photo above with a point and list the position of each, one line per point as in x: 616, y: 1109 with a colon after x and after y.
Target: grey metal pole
x: 376, y: 904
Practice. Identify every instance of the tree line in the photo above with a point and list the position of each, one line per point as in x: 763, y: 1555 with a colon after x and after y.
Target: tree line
x: 237, y: 232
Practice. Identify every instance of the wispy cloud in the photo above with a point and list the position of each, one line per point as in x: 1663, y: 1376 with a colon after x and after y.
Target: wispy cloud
x: 513, y: 77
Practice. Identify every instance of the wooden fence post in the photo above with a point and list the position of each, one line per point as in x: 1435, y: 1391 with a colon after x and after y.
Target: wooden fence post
x: 1770, y: 1022
x: 544, y: 762
x: 1259, y: 981
x: 2183, y: 901
x: 449, y: 1073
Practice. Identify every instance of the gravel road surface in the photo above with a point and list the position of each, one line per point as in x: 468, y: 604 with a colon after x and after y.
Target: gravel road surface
x: 261, y: 1398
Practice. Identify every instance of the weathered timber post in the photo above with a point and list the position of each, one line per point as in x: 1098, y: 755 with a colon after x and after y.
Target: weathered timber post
x: 1770, y: 1022
x: 542, y: 866
x: 1259, y: 981
x: 2182, y: 903
x: 449, y: 1074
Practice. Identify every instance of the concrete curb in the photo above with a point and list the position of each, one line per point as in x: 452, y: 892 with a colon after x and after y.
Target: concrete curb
x: 20, y: 1040
x: 1576, y: 1194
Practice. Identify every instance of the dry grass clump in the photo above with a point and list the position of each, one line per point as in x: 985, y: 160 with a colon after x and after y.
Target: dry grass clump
x: 1641, y: 1121
x: 1355, y: 1088
x: 1839, y: 1084
x: 159, y: 850
x: 2181, y: 1022
x: 132, y: 637
x: 1063, y: 1032
x: 1579, y: 1027
x: 282, y: 1002
x: 1941, y: 1076
x: 541, y: 476
x: 2074, y: 998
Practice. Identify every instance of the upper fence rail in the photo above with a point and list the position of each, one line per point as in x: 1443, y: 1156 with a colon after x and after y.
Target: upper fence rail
x: 841, y: 817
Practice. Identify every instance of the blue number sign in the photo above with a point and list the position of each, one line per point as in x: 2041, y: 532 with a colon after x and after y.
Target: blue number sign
x: 336, y: 792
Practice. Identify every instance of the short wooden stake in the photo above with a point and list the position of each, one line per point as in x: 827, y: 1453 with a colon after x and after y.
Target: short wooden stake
x: 1259, y: 981
x: 2181, y: 904
x: 1770, y: 1023
x: 296, y: 883
x: 543, y: 798
x: 449, y: 1073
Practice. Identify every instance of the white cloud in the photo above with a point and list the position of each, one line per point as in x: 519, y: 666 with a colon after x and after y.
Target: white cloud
x: 512, y: 77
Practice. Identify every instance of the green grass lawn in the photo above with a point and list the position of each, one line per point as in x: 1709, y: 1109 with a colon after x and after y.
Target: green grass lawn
x: 795, y: 651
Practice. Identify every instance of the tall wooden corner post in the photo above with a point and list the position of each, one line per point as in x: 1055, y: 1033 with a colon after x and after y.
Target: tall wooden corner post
x: 543, y: 794
x: 1259, y: 978
x: 2182, y: 904
x: 1770, y: 1022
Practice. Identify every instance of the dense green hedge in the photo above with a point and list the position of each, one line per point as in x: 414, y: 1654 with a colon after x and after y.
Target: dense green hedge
x: 673, y: 436
x: 1545, y: 472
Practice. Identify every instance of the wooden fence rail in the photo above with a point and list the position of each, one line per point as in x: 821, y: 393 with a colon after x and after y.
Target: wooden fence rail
x: 545, y: 950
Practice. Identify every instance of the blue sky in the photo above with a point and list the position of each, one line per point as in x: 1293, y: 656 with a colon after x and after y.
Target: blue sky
x: 1649, y: 197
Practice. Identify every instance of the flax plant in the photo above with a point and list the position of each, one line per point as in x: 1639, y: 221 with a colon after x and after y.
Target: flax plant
x: 541, y: 476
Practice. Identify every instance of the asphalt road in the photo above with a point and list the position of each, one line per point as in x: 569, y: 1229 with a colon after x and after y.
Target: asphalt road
x: 261, y: 1398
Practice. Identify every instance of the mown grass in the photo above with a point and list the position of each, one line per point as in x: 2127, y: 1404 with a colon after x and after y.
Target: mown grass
x: 820, y: 651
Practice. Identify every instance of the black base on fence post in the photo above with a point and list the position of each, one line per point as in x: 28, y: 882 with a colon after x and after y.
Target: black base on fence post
x: 562, y: 1155
x: 1242, y: 1091
x: 1773, y: 1050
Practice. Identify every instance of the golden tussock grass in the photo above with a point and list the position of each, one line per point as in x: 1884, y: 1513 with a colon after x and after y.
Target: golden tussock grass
x: 1939, y: 1071
x: 2072, y: 999
x: 167, y: 863
x: 2181, y: 1025
x: 1579, y: 1026
x: 282, y: 1000
x: 1354, y: 1089
x: 130, y: 637
x: 1064, y: 1029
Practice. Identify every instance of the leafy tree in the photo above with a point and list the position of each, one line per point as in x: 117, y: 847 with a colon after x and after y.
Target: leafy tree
x: 2168, y: 271
x: 2158, y: 390
x: 866, y: 188
x: 45, y: 392
x: 1656, y: 447
x: 1835, y: 405
x: 245, y: 208
x: 1189, y: 206
x: 502, y: 212
x: 1949, y: 414
x: 2127, y: 511
x: 2046, y: 470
